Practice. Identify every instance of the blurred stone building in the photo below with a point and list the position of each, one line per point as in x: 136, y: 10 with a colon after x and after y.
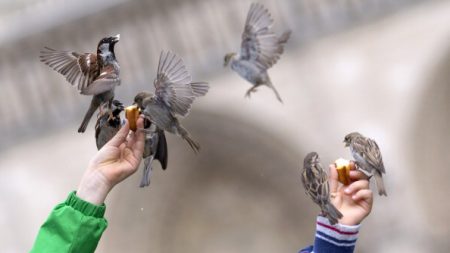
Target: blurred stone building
x: 376, y: 66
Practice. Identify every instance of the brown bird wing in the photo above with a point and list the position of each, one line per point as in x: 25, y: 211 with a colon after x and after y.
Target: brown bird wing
x: 107, y: 80
x: 315, y: 181
x: 100, y: 119
x: 173, y: 84
x: 79, y: 70
x: 372, y: 155
x: 260, y: 45
x: 305, y: 182
x: 323, y: 188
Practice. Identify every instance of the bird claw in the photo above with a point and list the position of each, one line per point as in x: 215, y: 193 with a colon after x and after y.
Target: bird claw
x: 249, y: 92
x: 355, y: 164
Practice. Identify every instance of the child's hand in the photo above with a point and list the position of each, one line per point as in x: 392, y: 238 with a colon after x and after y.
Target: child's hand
x: 115, y: 161
x: 353, y: 201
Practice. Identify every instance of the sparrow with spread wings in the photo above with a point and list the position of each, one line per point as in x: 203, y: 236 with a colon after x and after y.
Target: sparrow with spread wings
x: 93, y: 74
x: 260, y: 49
x: 174, y: 94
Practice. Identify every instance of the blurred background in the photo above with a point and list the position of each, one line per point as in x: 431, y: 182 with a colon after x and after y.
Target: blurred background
x: 380, y: 67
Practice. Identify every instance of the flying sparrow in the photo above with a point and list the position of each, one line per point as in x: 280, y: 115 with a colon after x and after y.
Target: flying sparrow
x: 174, y: 95
x: 368, y: 157
x: 260, y: 49
x: 108, y: 124
x: 315, y: 181
x: 92, y: 74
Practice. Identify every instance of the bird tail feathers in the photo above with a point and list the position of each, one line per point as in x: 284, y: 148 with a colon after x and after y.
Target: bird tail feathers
x: 185, y: 134
x: 200, y: 88
x: 275, y: 91
x: 87, y: 117
x: 331, y: 212
x: 145, y: 181
x: 380, y: 183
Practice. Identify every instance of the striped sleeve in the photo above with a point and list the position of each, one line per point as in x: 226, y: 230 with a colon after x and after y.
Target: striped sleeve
x: 333, y: 238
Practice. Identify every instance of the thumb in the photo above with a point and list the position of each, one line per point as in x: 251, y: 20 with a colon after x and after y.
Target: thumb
x: 120, y: 136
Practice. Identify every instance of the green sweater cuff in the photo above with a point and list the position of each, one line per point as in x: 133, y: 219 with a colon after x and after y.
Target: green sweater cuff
x: 85, y: 207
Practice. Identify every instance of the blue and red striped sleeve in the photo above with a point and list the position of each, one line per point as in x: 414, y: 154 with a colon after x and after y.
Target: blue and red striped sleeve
x: 336, y: 238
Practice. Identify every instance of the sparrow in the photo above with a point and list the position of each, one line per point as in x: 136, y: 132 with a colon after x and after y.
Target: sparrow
x: 174, y: 94
x: 108, y: 124
x: 315, y: 182
x: 93, y: 74
x: 155, y: 149
x: 367, y: 157
x: 260, y: 49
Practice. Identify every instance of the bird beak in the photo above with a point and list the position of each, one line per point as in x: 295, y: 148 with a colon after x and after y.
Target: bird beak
x: 116, y: 38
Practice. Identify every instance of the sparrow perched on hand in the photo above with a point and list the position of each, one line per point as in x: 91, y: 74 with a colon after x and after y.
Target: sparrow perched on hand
x: 174, y: 95
x: 92, y: 74
x: 155, y: 149
x: 108, y: 123
x: 260, y: 49
x: 315, y: 181
x: 368, y: 157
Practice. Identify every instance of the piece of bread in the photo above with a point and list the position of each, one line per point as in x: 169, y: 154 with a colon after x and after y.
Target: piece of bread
x: 132, y: 114
x: 343, y: 168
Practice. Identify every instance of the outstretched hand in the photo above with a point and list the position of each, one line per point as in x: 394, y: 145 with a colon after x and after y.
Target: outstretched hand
x: 115, y: 161
x: 353, y: 201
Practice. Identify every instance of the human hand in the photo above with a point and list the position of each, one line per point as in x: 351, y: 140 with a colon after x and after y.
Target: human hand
x: 115, y: 161
x: 353, y: 201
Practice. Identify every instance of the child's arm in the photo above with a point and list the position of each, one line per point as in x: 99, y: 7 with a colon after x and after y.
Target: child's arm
x: 77, y: 224
x: 355, y: 203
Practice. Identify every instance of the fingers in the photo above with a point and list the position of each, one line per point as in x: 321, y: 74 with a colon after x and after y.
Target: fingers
x: 121, y: 136
x: 357, y: 186
x: 333, y: 178
x: 356, y: 175
x: 364, y: 194
x: 139, y: 139
x: 131, y: 139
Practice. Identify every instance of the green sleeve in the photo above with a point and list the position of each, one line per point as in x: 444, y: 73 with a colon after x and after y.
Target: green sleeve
x: 73, y: 226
